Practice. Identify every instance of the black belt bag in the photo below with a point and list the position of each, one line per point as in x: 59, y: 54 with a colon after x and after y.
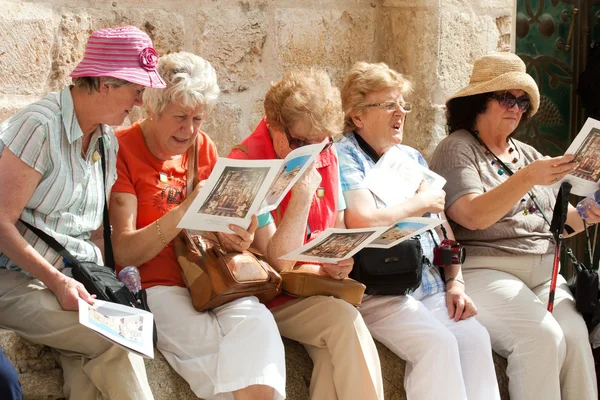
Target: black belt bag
x: 393, y: 271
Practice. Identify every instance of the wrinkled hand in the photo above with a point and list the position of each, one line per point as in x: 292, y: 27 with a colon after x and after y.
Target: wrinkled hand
x: 460, y: 306
x: 68, y: 291
x: 434, y: 200
x: 340, y: 270
x: 549, y: 170
x: 241, y: 239
x: 309, y: 182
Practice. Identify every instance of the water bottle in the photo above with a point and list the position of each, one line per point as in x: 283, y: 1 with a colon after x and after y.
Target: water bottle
x: 130, y: 276
x: 584, y: 205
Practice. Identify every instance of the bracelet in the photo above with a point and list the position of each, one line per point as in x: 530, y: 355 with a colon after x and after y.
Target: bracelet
x: 160, y: 234
x: 455, y: 279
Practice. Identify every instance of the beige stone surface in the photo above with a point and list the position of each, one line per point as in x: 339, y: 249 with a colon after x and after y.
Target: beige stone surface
x: 330, y: 39
x: 233, y: 40
x: 223, y: 126
x: 26, y: 41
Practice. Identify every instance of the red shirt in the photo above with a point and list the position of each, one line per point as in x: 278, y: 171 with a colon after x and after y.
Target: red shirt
x: 323, y: 211
x: 140, y: 174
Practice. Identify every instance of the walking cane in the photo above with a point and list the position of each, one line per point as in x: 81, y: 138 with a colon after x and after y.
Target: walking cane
x: 559, y: 217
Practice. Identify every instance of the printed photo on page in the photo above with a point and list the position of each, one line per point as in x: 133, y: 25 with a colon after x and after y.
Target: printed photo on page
x: 403, y: 230
x: 293, y: 167
x: 586, y: 149
x: 231, y: 195
x: 334, y: 245
x: 126, y: 326
x: 396, y: 167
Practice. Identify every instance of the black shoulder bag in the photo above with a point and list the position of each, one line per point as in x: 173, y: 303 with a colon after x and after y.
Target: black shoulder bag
x: 394, y: 271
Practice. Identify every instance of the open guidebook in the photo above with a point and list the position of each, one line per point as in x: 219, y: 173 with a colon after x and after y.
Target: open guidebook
x: 238, y: 189
x: 126, y: 326
x: 334, y: 244
x: 586, y: 149
x: 395, y: 166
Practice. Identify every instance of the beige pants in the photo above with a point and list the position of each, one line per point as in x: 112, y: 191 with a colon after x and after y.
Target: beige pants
x: 346, y: 363
x: 93, y: 367
x: 549, y: 356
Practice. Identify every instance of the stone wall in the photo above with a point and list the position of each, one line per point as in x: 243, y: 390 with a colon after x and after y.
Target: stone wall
x: 252, y: 42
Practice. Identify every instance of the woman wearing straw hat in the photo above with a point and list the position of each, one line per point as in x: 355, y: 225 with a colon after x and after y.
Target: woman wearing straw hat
x: 497, y: 194
x: 50, y: 177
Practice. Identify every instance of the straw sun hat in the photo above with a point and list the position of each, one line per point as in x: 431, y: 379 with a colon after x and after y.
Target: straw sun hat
x: 501, y: 71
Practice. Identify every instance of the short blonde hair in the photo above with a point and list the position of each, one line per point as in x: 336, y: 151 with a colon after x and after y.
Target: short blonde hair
x: 302, y: 93
x: 189, y: 78
x: 364, y: 78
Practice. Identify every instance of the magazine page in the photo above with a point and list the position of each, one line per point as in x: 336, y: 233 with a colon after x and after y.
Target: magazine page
x: 231, y: 195
x: 334, y: 245
x: 403, y: 230
x: 586, y: 149
x: 126, y: 326
x: 294, y: 165
x: 395, y: 166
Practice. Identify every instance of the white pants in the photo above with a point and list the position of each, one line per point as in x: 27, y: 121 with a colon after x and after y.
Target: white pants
x: 549, y: 356
x: 222, y: 350
x: 444, y: 359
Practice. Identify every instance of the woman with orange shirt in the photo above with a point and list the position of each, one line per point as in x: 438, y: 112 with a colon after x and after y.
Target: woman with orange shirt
x: 232, y: 350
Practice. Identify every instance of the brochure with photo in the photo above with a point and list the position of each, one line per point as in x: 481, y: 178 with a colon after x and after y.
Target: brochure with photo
x: 238, y: 189
x: 403, y: 230
x: 395, y: 166
x: 334, y: 245
x: 586, y: 149
x: 126, y: 326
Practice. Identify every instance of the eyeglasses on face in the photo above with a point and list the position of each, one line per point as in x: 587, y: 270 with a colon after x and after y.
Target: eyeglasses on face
x: 508, y: 100
x: 297, y: 143
x: 392, y: 106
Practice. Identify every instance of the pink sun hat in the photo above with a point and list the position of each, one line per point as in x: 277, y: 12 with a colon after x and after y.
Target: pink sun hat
x: 124, y: 53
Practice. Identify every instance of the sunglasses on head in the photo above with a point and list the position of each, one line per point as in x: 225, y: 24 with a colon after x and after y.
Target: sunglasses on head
x: 508, y: 100
x: 297, y: 143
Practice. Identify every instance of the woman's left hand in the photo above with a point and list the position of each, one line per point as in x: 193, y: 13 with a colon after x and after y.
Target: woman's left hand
x: 241, y: 239
x: 460, y: 306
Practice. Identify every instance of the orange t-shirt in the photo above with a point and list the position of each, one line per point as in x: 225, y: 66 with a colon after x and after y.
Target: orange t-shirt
x: 140, y: 174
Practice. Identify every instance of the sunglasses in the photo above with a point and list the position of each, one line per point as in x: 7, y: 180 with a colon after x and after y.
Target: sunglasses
x: 297, y: 143
x: 508, y: 100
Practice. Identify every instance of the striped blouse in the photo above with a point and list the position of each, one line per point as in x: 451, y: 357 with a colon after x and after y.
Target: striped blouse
x: 69, y: 199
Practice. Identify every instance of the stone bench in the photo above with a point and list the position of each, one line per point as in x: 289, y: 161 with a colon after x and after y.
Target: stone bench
x: 41, y: 377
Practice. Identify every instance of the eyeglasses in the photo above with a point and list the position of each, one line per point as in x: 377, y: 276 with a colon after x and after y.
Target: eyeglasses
x: 297, y: 143
x: 392, y: 106
x: 508, y: 100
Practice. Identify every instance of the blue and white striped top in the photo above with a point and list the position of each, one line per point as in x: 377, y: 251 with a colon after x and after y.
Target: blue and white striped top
x: 68, y: 202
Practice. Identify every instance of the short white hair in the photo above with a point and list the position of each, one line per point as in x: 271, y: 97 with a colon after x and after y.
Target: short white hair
x: 189, y: 78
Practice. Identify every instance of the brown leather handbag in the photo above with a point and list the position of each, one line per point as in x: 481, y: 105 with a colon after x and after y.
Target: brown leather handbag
x: 215, y: 277
x: 300, y: 283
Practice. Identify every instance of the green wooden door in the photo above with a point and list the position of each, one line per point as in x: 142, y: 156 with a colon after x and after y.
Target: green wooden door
x: 542, y: 33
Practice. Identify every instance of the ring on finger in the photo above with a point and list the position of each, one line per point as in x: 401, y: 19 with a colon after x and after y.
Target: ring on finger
x: 339, y: 274
x: 241, y: 241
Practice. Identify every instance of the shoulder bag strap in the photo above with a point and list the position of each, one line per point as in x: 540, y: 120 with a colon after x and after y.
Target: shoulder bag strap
x: 109, y: 258
x: 192, y: 167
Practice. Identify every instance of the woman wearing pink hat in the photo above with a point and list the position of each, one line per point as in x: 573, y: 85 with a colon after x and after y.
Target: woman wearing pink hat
x: 498, y: 196
x: 51, y: 178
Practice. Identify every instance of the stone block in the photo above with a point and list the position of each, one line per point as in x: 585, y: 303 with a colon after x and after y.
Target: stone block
x: 224, y: 126
x: 26, y: 42
x: 457, y: 29
x: 327, y: 38
x: 76, y: 24
x: 233, y: 41
x: 409, y: 44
